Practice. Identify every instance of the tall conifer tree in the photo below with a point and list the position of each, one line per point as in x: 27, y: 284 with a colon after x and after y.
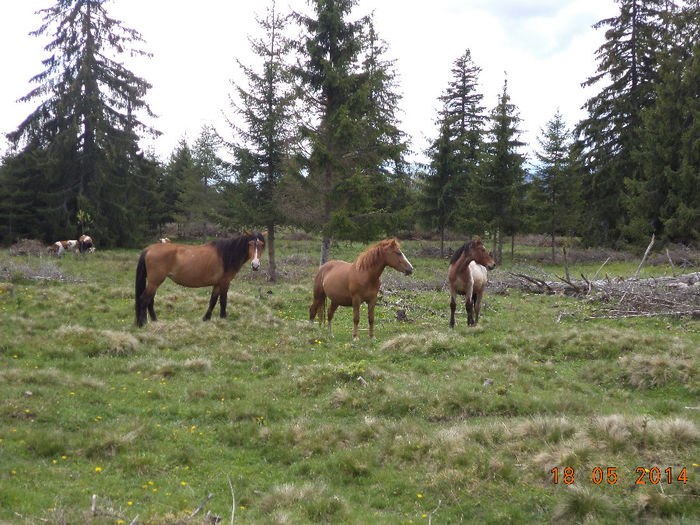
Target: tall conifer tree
x: 665, y: 199
x: 346, y: 98
x: 610, y: 132
x: 86, y: 123
x: 454, y: 156
x: 502, y: 175
x: 264, y: 140
x: 554, y: 182
x: 440, y: 191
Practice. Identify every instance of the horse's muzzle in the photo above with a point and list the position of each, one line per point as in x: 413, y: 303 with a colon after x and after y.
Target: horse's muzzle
x: 491, y: 266
x: 255, y: 265
x: 408, y: 271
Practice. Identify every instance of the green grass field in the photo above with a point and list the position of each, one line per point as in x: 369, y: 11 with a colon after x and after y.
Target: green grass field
x: 450, y: 427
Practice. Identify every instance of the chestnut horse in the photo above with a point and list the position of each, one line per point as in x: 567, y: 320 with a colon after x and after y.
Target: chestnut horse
x: 351, y: 284
x: 213, y: 264
x: 468, y: 279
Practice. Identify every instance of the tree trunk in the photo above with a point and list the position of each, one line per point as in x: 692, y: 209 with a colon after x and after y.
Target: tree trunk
x: 553, y: 255
x: 512, y: 247
x: 442, y: 243
x: 326, y: 241
x: 325, y: 250
x: 272, y: 273
x: 499, y: 247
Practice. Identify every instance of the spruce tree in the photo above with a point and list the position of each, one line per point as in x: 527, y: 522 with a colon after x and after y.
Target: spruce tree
x: 554, y: 183
x: 381, y: 182
x: 454, y: 155
x: 264, y: 139
x: 86, y: 123
x: 346, y: 97
x: 439, y: 191
x: 665, y: 199
x: 502, y: 177
x: 610, y: 132
x: 178, y: 170
x: 23, y: 204
x: 465, y: 115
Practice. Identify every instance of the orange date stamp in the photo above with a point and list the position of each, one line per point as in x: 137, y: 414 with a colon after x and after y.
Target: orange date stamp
x: 609, y: 475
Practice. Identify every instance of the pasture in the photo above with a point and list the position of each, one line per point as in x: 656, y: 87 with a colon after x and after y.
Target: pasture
x: 444, y: 427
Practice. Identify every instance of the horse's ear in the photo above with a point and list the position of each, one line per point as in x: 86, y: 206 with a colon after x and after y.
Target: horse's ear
x: 394, y: 242
x: 264, y: 234
x: 478, y: 240
x: 247, y: 232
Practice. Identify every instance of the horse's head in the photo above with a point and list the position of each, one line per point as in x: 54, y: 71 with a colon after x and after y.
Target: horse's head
x: 256, y: 246
x: 395, y: 258
x: 481, y: 255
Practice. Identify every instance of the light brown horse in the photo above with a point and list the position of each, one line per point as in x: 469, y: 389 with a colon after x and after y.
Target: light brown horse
x: 213, y: 264
x: 351, y: 284
x: 465, y: 278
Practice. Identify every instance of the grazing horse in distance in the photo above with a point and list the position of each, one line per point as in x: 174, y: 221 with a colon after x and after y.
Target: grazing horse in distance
x: 60, y: 247
x: 467, y: 276
x: 213, y: 264
x: 350, y: 284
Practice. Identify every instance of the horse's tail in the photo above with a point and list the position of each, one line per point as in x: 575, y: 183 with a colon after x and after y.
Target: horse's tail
x: 319, y: 304
x: 139, y: 289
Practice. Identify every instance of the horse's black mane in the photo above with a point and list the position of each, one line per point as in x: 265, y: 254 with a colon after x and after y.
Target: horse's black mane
x: 234, y: 252
x: 456, y: 255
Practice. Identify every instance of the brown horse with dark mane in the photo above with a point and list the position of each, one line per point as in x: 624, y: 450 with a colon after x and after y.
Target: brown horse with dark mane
x: 213, y: 264
x: 465, y: 278
x: 351, y: 284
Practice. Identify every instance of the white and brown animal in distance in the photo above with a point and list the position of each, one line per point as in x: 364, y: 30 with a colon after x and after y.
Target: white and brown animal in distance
x: 467, y: 276
x: 85, y: 244
x: 164, y: 240
x: 60, y: 247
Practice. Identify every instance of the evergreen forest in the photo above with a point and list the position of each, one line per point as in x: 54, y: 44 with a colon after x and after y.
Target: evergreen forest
x: 319, y: 147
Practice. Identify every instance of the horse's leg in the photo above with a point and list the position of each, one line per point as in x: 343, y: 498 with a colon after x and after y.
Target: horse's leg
x: 151, y: 310
x: 370, y: 316
x: 469, y: 304
x: 147, y: 300
x: 212, y: 302
x: 355, y: 317
x: 477, y: 306
x: 453, y: 307
x: 331, y: 312
x: 223, y: 299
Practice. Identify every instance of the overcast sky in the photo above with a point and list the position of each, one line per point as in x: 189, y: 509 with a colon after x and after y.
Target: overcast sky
x: 545, y: 47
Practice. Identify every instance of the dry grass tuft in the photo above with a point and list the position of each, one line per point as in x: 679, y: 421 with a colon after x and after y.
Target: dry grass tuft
x: 288, y: 494
x: 676, y: 432
x: 643, y: 372
x: 580, y: 505
x: 550, y: 429
x: 198, y: 364
x: 426, y: 343
x: 612, y: 432
x: 568, y: 453
x: 119, y: 343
